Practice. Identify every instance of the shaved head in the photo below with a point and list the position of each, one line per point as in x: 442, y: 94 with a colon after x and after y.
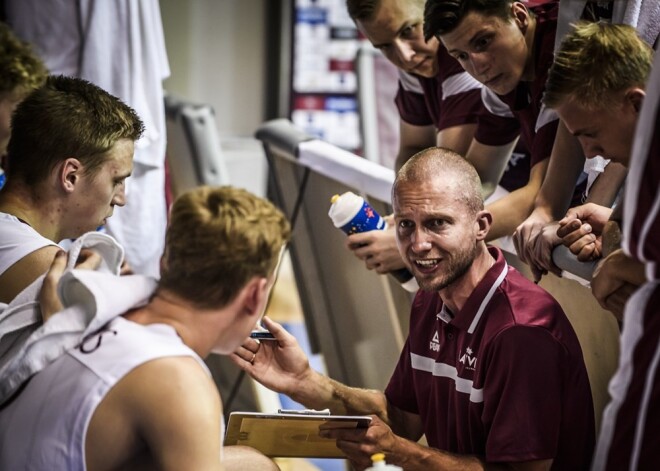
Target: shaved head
x: 438, y: 163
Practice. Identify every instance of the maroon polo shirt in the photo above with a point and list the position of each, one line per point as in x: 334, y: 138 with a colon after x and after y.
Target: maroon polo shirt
x: 538, y: 124
x: 503, y: 379
x: 453, y: 98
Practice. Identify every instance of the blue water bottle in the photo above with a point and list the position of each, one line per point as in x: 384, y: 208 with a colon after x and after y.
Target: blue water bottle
x: 352, y: 214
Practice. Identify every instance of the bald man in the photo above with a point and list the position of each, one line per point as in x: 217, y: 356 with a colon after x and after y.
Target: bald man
x: 486, y: 348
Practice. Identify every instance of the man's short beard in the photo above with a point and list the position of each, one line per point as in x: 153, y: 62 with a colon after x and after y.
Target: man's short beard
x: 458, y: 266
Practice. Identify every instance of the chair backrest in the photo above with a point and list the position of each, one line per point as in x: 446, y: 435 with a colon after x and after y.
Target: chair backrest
x: 193, y: 145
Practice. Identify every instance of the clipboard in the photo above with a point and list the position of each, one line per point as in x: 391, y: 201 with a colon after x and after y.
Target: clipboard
x: 289, y: 435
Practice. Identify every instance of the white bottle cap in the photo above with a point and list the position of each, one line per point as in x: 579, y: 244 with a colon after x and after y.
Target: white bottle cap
x: 378, y: 462
x: 344, y: 208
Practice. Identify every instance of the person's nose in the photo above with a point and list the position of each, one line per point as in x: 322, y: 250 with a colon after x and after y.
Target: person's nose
x: 420, y: 241
x: 120, y: 196
x: 479, y: 64
x: 404, y: 51
x: 591, y: 149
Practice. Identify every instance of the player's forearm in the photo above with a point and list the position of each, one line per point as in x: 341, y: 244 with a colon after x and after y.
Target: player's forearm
x: 563, y: 170
x: 487, y: 189
x: 511, y: 210
x: 546, y: 208
x: 554, y: 197
x: 490, y: 163
x: 414, y: 457
x: 318, y: 391
x: 457, y: 138
x: 606, y: 187
x: 413, y: 139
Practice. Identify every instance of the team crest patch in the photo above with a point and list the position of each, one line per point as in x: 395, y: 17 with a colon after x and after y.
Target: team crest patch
x: 434, y: 345
x: 469, y: 361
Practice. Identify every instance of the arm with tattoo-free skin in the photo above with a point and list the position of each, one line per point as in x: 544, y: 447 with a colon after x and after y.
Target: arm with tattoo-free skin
x: 615, y: 279
x: 490, y: 163
x: 536, y: 237
x: 553, y: 199
x: 413, y: 139
x: 282, y: 366
x: 509, y: 211
x: 606, y: 187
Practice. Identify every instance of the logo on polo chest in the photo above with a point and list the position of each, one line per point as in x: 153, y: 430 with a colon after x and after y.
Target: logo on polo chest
x: 434, y: 344
x: 469, y: 361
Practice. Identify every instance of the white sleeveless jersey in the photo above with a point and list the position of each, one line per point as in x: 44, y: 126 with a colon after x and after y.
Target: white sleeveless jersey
x: 44, y: 427
x: 17, y: 240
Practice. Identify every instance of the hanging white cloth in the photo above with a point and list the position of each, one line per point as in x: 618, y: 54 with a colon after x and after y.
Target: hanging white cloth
x: 118, y: 45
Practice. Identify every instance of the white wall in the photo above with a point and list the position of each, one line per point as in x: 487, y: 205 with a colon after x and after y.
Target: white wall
x: 217, y: 52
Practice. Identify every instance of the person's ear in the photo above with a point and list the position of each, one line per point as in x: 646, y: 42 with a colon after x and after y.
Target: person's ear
x: 255, y: 296
x: 483, y: 222
x: 520, y: 16
x: 69, y: 174
x: 635, y: 97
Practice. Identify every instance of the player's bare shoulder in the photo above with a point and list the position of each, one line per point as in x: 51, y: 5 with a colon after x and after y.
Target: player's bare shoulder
x: 162, y: 403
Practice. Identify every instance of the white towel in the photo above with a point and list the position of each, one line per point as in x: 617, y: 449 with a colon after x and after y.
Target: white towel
x: 593, y: 167
x: 91, y: 299
x: 20, y: 318
x: 570, y: 12
x: 644, y: 15
x: 23, y: 311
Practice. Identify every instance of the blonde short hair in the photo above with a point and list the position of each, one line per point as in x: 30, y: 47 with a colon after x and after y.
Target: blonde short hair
x: 21, y: 70
x: 218, y: 239
x: 595, y: 61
